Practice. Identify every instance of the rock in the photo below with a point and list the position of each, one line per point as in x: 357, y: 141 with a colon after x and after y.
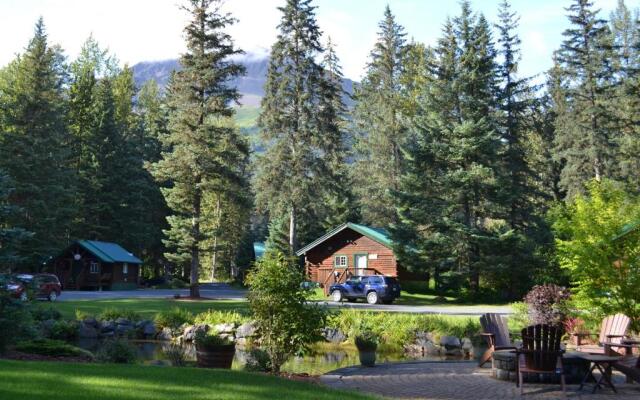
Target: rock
x: 108, y: 334
x: 333, y: 335
x: 148, y: 329
x: 450, y: 342
x: 467, y: 345
x: 124, y: 329
x: 432, y: 349
x: 453, y: 352
x: 108, y: 326
x: 91, y: 322
x: 248, y: 329
x: 242, y: 342
x: 123, y: 321
x: 224, y: 328
x: 165, y: 334
x: 86, y: 331
x: 190, y: 332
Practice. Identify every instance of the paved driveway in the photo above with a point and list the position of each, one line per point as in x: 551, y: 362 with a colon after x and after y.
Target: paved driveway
x: 211, y: 290
x: 456, y: 381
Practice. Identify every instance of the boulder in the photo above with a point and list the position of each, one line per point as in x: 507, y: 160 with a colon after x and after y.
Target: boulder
x: 148, y: 329
x: 165, y: 334
x: 248, y: 329
x: 450, y: 342
x: 108, y: 326
x: 86, y: 331
x: 91, y: 321
x: 333, y: 335
x: 224, y: 328
x: 467, y: 345
x: 432, y: 349
x: 191, y: 331
x: 124, y: 329
x: 242, y: 342
x: 123, y: 321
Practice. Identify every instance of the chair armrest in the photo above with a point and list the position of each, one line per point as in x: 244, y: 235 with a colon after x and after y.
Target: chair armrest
x: 627, y: 346
x: 615, y: 336
x: 631, y: 341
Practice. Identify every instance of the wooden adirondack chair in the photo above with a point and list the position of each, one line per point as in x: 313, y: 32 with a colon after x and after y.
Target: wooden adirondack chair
x: 496, y: 333
x: 540, y: 353
x: 629, y: 365
x: 613, y: 330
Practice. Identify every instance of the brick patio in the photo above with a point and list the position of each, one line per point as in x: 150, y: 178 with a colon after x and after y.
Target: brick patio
x: 455, y: 381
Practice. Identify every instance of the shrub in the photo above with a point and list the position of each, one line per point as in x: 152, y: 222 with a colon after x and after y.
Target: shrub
x: 54, y: 348
x: 258, y: 361
x: 209, y: 340
x: 286, y: 323
x: 547, y: 304
x: 173, y: 318
x: 111, y: 314
x: 214, y: 317
x: 44, y: 314
x: 82, y: 315
x: 175, y: 353
x: 598, y: 244
x: 118, y: 351
x: 16, y: 322
x: 366, y: 341
x: 64, y: 330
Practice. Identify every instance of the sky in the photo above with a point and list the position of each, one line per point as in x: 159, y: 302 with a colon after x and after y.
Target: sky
x: 148, y: 30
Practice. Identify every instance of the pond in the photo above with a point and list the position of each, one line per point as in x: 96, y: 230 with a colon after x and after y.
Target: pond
x: 322, y: 357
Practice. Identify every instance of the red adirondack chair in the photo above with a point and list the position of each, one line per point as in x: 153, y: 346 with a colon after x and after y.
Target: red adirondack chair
x: 540, y: 353
x: 628, y: 365
x: 613, y: 330
x: 496, y: 333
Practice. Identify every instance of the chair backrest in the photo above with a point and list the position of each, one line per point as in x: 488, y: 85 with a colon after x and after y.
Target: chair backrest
x: 614, y: 325
x: 495, y: 324
x: 541, y: 346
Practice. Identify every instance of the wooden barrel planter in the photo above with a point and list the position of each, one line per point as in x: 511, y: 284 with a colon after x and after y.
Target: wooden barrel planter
x: 220, y: 356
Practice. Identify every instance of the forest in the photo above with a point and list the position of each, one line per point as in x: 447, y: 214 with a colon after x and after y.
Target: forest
x: 466, y: 162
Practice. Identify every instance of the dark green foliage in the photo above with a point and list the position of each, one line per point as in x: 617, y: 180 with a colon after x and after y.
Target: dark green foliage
x: 16, y: 322
x: 11, y: 237
x: 118, y: 351
x: 379, y: 132
x: 300, y: 124
x: 258, y: 361
x: 204, y: 156
x: 111, y: 314
x: 43, y: 314
x: 211, y: 340
x: 286, y: 323
x: 64, y: 330
x: 53, y: 348
x: 34, y: 147
x: 366, y: 341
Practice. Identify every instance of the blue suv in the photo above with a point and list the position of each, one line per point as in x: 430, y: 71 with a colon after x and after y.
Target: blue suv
x: 374, y: 289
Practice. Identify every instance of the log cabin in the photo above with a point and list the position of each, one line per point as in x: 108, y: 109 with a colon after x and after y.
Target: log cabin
x: 90, y: 264
x: 351, y: 250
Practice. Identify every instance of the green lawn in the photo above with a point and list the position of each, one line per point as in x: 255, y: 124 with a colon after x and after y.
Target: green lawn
x: 66, y: 381
x: 147, y: 307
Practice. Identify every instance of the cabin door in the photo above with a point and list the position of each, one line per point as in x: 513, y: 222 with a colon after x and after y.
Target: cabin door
x: 361, y: 264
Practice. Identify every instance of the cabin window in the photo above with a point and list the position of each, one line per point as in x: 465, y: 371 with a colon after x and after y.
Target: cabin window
x: 125, y: 268
x: 93, y: 268
x: 340, y: 261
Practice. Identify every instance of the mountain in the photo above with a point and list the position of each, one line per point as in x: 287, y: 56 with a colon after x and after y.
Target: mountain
x: 250, y: 86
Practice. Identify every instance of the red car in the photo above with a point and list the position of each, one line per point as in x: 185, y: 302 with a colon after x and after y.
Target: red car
x: 44, y: 286
x: 14, y: 287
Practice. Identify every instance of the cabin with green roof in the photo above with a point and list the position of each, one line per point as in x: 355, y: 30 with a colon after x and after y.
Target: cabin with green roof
x: 351, y: 250
x: 91, y: 264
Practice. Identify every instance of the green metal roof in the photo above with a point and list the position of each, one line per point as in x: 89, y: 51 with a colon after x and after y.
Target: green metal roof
x: 109, y: 252
x: 258, y: 249
x: 377, y: 234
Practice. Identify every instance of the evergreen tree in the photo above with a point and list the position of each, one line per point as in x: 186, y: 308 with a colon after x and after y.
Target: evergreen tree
x: 298, y: 126
x: 586, y: 135
x: 447, y: 205
x: 11, y: 237
x: 201, y: 150
x: 380, y: 134
x: 33, y: 147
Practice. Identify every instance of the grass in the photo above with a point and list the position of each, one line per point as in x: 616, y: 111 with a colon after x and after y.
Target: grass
x: 147, y: 308
x: 67, y: 381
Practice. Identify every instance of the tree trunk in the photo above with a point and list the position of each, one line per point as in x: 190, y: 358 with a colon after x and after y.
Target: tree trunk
x: 194, y: 288
x: 215, y: 240
x: 292, y: 228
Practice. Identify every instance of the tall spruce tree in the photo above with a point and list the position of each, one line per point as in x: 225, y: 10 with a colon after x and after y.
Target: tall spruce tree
x: 586, y: 136
x: 201, y: 149
x: 33, y: 147
x: 11, y: 236
x: 447, y: 201
x: 298, y: 134
x: 380, y: 133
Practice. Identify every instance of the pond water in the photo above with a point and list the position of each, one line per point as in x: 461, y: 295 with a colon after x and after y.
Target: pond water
x: 322, y: 357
